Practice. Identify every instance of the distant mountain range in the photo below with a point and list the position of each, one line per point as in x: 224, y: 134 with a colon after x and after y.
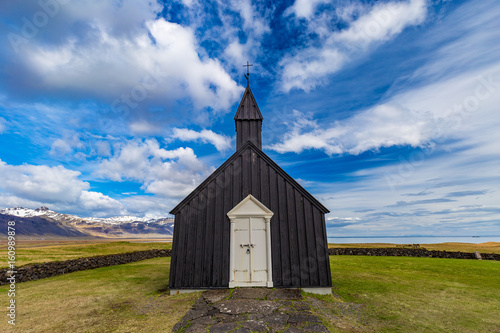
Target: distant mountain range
x: 43, y: 222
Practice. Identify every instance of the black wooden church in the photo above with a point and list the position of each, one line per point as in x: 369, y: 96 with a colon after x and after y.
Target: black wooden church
x: 249, y: 223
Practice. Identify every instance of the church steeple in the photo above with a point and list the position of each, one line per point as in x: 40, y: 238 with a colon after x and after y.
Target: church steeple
x: 248, y: 121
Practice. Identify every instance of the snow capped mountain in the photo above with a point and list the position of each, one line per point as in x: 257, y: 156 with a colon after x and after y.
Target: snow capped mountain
x: 54, y: 223
x: 44, y: 211
x: 27, y: 212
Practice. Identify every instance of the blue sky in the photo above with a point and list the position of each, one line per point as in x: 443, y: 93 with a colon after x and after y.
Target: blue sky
x: 386, y: 111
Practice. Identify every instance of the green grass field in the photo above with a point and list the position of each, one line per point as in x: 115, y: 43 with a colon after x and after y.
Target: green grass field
x: 29, y: 252
x: 124, y: 298
x: 489, y: 247
x: 372, y: 294
x: 401, y: 294
x: 43, y: 251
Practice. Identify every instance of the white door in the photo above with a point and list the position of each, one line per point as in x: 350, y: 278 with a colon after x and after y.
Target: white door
x: 242, y: 251
x: 250, y: 264
x: 250, y: 257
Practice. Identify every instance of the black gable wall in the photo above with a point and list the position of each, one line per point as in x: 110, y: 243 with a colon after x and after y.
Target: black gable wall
x: 200, y: 257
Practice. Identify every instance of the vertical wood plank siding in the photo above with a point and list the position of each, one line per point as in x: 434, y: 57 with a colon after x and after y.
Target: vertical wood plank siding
x: 248, y: 130
x: 200, y: 257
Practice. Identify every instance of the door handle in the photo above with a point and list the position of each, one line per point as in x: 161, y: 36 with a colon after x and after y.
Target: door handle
x: 247, y: 245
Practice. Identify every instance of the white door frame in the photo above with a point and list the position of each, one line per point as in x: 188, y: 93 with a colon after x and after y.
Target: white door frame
x: 244, y: 210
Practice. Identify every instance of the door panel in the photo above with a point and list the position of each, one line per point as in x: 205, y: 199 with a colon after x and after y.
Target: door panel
x: 259, y: 251
x: 242, y: 258
x: 250, y: 264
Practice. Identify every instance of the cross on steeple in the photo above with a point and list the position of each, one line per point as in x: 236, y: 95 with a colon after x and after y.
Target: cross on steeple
x: 247, y: 75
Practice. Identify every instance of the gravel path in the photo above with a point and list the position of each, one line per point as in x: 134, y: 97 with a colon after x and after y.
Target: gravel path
x: 246, y: 310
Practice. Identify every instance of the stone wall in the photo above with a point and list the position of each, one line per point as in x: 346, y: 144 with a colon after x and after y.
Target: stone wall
x: 48, y: 269
x: 402, y: 252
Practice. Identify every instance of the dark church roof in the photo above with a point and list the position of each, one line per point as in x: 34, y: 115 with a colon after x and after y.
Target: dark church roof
x: 239, y: 153
x: 248, y: 109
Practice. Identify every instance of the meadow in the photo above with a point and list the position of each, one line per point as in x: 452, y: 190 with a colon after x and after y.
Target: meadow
x: 489, y: 247
x: 30, y: 252
x: 371, y: 294
x: 38, y: 251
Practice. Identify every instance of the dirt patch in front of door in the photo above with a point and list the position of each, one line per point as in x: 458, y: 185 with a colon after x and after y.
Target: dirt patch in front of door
x: 250, y: 310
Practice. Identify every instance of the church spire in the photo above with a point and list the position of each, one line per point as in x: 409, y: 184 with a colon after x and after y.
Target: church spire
x: 248, y: 120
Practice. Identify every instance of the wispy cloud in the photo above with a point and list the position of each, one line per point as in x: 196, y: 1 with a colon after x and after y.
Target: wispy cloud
x: 339, y: 222
x: 221, y: 142
x: 311, y: 66
x: 465, y: 193
x: 422, y: 193
x: 304, y: 8
x: 413, y: 118
x: 2, y: 125
x: 419, y: 202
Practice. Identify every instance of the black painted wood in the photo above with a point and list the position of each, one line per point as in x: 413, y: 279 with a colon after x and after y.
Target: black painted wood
x: 248, y: 121
x: 175, y: 248
x: 191, y: 234
x: 275, y: 227
x: 227, y: 206
x: 200, y: 237
x: 180, y: 253
x: 203, y: 202
x: 284, y: 243
x: 292, y: 235
x: 218, y: 229
x: 311, y: 244
x: 209, y: 248
x: 301, y: 239
x: 200, y: 251
x: 324, y: 244
x: 255, y: 168
x: 200, y: 257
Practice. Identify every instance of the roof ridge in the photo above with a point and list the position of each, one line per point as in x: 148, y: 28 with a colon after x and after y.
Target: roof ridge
x: 273, y: 164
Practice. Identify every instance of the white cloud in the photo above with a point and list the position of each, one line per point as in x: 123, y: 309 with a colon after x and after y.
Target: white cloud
x: 167, y: 173
x: 42, y: 183
x: 252, y: 21
x: 144, y: 127
x: 57, y: 187
x: 67, y: 144
x: 456, y: 105
x: 304, y: 8
x: 457, y: 129
x: 237, y: 53
x: 383, y: 22
x: 169, y: 68
x: 310, y: 67
x: 239, y: 18
x: 414, y: 118
x: 350, y: 11
x: 2, y: 125
x: 128, y: 67
x: 60, y: 147
x: 221, y: 142
x: 95, y: 202
x: 149, y: 206
x: 103, y: 148
x: 336, y: 222
x: 189, y: 3
x: 466, y: 39
x: 376, y: 192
